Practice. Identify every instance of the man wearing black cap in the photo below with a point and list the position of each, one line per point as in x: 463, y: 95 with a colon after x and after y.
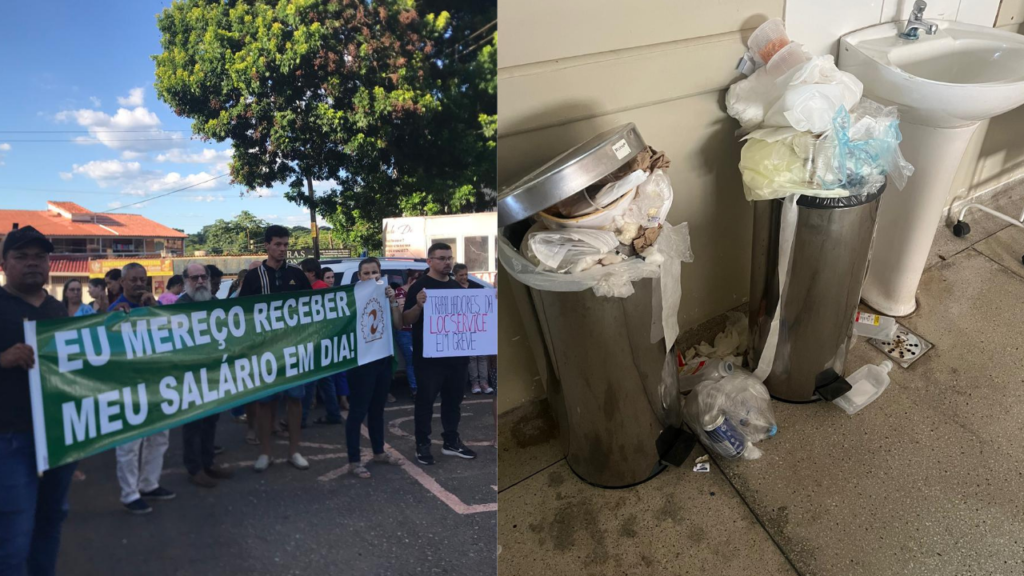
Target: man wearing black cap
x: 33, y: 507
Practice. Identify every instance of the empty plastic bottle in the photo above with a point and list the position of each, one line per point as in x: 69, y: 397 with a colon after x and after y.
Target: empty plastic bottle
x: 874, y: 326
x: 867, y: 384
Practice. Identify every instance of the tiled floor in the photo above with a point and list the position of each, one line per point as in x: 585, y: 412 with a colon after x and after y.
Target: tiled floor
x: 927, y: 480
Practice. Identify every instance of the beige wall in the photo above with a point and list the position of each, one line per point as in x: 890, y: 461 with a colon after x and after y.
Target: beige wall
x: 588, y: 65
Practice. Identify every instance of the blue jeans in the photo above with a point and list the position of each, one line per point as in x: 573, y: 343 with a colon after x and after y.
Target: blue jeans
x: 369, y: 393
x: 31, y: 508
x: 330, y: 399
x: 405, y: 343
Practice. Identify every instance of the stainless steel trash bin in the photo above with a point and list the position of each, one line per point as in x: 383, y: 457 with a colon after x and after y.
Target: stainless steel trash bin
x: 616, y: 421
x: 828, y: 266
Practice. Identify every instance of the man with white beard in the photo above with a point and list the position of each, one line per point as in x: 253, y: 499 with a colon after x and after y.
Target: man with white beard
x: 198, y: 435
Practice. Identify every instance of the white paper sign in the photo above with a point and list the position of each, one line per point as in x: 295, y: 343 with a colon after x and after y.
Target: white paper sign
x: 460, y: 322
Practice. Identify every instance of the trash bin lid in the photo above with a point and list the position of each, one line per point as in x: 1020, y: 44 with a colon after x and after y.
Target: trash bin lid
x: 569, y: 173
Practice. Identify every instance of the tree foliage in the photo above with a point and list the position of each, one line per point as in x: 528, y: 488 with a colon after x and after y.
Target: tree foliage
x: 392, y: 100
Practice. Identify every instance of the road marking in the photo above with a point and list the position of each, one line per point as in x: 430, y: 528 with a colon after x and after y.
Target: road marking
x: 394, y: 427
x: 436, y: 405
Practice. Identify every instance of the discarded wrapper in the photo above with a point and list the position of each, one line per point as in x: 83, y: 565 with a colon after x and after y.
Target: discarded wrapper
x: 702, y: 467
x: 702, y: 459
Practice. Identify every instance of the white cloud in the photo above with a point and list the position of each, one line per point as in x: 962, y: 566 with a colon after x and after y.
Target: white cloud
x: 137, y: 129
x: 114, y: 205
x: 264, y: 193
x: 134, y: 181
x: 95, y: 101
x: 65, y: 175
x: 208, y: 198
x: 132, y: 155
x: 135, y: 97
x: 4, y: 147
x: 206, y: 156
x: 106, y: 172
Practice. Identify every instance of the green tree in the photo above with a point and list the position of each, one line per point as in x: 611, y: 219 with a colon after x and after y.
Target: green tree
x: 396, y: 108
x: 243, y: 233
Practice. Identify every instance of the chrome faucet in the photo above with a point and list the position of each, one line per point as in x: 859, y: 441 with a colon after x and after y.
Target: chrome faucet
x: 917, y: 22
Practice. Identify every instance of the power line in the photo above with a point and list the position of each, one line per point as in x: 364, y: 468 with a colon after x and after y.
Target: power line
x: 86, y: 131
x: 60, y: 191
x: 168, y: 193
x: 98, y: 141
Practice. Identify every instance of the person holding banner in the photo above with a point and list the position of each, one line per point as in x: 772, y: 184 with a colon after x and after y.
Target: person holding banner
x: 32, y: 506
x: 368, y: 389
x: 140, y: 462
x: 273, y: 276
x: 198, y: 436
x: 444, y: 376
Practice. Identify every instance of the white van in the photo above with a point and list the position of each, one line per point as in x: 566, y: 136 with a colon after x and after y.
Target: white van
x: 395, y: 270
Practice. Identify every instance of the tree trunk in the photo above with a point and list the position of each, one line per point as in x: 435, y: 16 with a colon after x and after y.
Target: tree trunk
x: 312, y: 219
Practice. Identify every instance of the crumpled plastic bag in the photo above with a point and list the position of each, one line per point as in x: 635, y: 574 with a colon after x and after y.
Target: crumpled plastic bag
x: 811, y: 95
x: 781, y: 168
x: 650, y: 207
x: 673, y: 245
x: 805, y: 98
x: 862, y: 149
x: 748, y: 417
x: 568, y: 250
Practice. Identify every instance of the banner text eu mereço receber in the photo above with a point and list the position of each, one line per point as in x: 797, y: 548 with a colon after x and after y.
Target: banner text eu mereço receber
x: 100, y: 381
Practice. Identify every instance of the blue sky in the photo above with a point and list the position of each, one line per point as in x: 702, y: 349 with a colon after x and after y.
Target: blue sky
x: 84, y: 69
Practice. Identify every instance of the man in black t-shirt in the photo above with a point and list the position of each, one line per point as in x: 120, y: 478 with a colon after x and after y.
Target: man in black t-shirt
x: 32, y: 507
x: 276, y: 275
x: 444, y: 376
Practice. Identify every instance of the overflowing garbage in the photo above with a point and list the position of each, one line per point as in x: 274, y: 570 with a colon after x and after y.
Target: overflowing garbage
x: 806, y: 127
x: 605, y: 234
x: 730, y: 415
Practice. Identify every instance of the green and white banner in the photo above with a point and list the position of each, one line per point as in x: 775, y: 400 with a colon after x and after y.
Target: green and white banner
x: 100, y: 381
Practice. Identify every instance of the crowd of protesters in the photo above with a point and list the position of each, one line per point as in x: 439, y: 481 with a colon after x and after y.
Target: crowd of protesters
x: 32, y: 507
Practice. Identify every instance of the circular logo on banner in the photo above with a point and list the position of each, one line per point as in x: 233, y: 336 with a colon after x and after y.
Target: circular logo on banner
x: 372, y: 321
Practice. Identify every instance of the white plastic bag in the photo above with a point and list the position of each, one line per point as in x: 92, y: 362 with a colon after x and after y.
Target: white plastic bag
x: 809, y: 95
x: 806, y: 97
x: 617, y: 280
x: 569, y: 251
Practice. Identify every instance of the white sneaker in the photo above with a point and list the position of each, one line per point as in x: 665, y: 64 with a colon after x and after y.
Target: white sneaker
x: 298, y: 461
x: 262, y: 463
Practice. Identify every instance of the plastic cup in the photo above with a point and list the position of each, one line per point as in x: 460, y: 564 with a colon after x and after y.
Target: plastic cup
x: 768, y: 40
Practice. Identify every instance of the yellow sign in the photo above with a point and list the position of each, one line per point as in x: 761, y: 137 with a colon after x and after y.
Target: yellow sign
x: 154, y: 266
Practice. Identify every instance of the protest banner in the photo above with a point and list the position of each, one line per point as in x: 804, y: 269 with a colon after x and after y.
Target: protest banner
x: 460, y: 322
x: 100, y: 381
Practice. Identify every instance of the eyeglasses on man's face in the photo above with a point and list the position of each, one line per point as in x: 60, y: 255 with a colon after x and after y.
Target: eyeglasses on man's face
x: 443, y: 259
x: 199, y: 277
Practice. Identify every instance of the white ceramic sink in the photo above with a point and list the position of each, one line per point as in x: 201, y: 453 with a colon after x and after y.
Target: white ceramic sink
x: 945, y: 84
x: 959, y: 76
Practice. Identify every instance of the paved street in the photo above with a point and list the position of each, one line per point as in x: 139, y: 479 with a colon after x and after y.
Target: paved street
x: 404, y: 520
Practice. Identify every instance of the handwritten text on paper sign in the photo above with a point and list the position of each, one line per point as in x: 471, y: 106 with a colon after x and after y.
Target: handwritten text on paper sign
x: 460, y: 323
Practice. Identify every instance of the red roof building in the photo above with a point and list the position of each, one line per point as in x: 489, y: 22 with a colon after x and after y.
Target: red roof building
x: 75, y: 230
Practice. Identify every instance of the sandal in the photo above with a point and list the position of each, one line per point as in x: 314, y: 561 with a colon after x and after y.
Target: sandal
x: 325, y: 422
x: 361, y: 472
x: 250, y: 438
